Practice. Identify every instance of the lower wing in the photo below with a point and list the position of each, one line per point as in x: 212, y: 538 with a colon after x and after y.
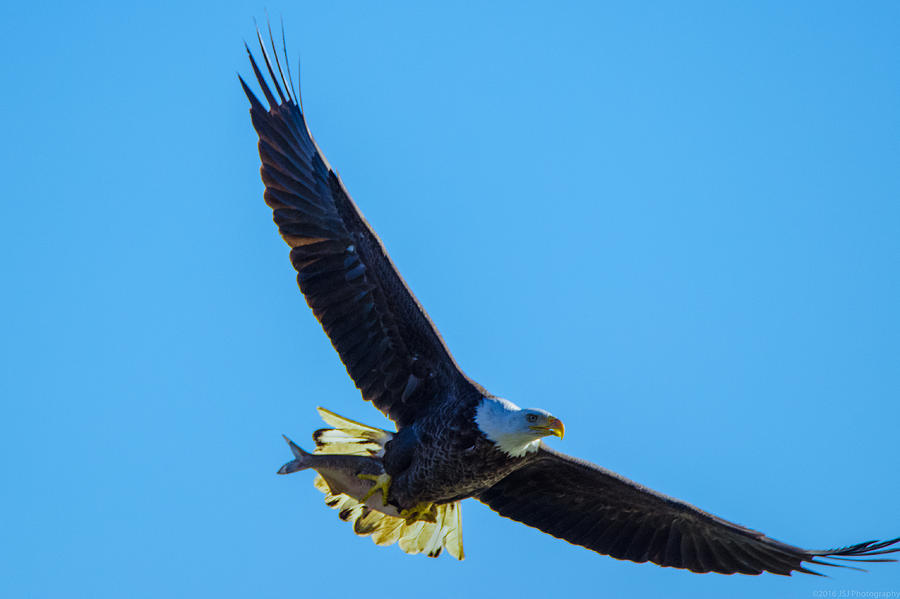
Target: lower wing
x: 590, y: 506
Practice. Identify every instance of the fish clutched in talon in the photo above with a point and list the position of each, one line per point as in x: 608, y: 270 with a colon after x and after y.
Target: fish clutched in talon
x: 382, y: 482
x: 351, y: 476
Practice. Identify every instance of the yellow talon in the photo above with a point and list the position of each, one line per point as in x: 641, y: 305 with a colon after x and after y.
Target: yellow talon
x: 422, y: 511
x: 382, y: 483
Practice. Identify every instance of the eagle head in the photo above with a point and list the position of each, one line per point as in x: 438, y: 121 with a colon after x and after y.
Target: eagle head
x: 514, y: 430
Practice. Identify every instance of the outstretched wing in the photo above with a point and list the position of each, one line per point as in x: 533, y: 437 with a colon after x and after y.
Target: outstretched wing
x: 391, y: 349
x: 587, y: 505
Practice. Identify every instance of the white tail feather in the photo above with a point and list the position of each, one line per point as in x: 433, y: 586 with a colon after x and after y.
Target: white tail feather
x: 349, y: 437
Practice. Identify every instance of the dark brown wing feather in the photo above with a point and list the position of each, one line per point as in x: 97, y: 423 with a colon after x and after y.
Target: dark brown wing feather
x: 589, y: 506
x: 391, y: 349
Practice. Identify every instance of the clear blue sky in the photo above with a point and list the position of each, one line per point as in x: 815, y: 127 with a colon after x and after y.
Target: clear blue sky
x: 674, y: 225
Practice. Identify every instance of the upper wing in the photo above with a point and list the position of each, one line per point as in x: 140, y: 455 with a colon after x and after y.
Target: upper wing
x: 391, y: 349
x: 587, y: 505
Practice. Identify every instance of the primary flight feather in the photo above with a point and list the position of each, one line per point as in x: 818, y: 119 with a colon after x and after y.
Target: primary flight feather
x: 454, y: 439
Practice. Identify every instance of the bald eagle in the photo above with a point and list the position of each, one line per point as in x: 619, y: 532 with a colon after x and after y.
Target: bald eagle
x: 455, y: 440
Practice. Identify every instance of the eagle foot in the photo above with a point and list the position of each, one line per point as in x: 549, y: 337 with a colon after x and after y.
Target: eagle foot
x: 382, y: 483
x: 421, y: 511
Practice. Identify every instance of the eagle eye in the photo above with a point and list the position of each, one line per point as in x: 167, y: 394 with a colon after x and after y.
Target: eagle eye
x: 531, y: 418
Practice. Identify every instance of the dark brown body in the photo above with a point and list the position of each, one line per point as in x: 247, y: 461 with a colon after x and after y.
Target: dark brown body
x: 444, y: 457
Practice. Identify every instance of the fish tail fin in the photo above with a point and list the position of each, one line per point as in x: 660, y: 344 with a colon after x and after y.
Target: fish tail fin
x: 302, y: 459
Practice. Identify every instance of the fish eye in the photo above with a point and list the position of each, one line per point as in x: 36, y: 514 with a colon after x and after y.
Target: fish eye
x: 531, y: 418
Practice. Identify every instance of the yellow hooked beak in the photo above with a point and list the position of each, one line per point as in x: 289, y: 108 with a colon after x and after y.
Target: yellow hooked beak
x: 554, y: 427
